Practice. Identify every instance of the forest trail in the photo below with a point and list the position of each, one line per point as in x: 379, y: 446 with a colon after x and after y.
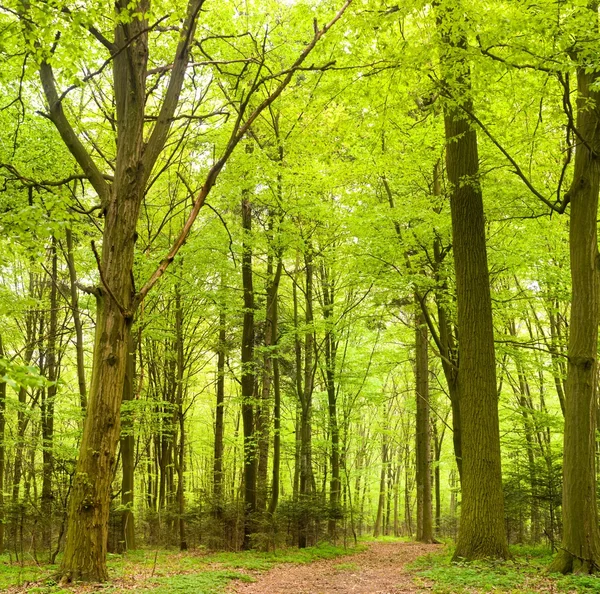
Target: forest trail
x: 378, y: 570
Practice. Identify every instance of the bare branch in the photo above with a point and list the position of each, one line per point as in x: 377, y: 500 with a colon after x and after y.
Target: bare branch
x: 237, y: 134
x: 163, y: 123
x: 69, y: 136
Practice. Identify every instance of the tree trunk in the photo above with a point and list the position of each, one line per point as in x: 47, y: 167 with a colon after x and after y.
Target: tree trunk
x: 276, y: 409
x: 423, y: 461
x: 248, y: 376
x: 580, y: 551
x: 47, y: 410
x: 305, y: 486
x: 76, y: 320
x: 2, y: 450
x: 482, y: 530
x: 127, y: 455
x: 330, y: 377
x: 180, y: 418
x: 219, y: 420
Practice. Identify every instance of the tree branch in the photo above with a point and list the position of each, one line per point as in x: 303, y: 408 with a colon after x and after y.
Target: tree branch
x: 237, y: 134
x: 165, y: 117
x: 59, y: 119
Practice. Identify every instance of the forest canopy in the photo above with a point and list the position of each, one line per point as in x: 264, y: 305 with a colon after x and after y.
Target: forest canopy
x: 279, y: 272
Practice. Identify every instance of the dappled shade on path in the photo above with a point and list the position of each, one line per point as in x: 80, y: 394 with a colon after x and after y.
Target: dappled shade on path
x: 378, y: 570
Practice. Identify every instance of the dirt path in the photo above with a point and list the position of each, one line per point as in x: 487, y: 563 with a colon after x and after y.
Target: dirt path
x: 378, y: 570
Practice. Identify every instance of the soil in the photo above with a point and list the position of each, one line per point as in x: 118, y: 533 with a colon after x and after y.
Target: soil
x: 378, y: 570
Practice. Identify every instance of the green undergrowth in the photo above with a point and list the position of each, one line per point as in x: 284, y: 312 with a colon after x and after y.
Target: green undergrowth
x: 526, y: 573
x: 162, y: 571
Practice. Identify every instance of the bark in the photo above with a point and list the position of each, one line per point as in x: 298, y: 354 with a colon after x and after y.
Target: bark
x: 381, y: 497
x: 264, y: 416
x: 248, y: 376
x: 76, y: 320
x: 580, y: 550
x: 2, y: 450
x: 180, y: 418
x: 276, y: 409
x: 330, y: 381
x: 423, y: 449
x: 47, y: 409
x: 219, y: 420
x: 127, y: 455
x: 437, y: 441
x: 305, y: 475
x: 482, y: 530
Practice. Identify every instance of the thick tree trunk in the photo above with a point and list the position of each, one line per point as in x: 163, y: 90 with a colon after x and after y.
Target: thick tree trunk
x: 580, y: 550
x: 482, y: 530
x: 423, y: 449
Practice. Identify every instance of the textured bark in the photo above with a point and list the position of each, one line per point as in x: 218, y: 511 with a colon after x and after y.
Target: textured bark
x: 423, y: 448
x: 248, y: 376
x: 482, y: 530
x: 580, y: 550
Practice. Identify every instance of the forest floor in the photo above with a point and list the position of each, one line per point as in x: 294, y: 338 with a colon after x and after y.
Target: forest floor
x: 380, y: 569
x: 384, y: 566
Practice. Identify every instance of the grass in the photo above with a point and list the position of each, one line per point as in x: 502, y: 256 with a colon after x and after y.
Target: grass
x: 162, y: 571
x: 524, y: 574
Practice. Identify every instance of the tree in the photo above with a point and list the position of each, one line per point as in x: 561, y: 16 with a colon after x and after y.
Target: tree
x: 482, y: 531
x: 121, y: 195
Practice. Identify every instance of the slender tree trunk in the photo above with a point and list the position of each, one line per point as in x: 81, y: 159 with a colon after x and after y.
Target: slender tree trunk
x: 2, y: 450
x: 248, y: 376
x: 180, y: 463
x: 482, y: 530
x: 219, y: 420
x: 580, y: 550
x: 330, y: 377
x: 47, y: 409
x: 76, y: 320
x: 305, y: 487
x: 423, y: 462
x: 127, y: 455
x: 437, y: 440
x: 276, y: 417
